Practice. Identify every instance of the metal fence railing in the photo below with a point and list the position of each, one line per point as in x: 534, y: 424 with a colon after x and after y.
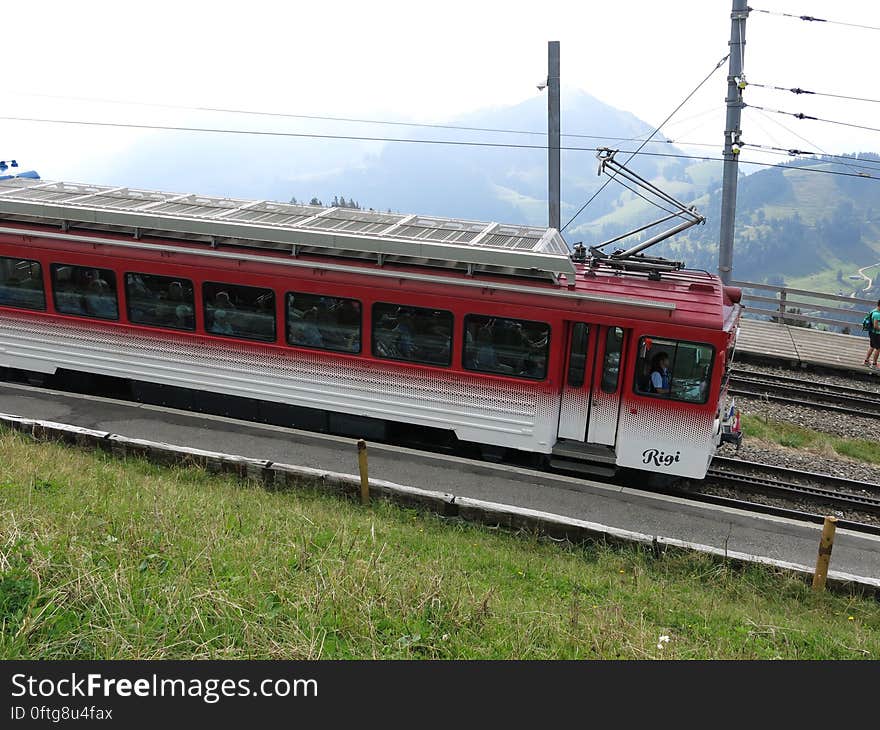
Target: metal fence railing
x: 801, y: 307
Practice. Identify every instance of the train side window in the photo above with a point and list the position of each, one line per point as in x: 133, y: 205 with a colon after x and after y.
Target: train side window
x: 413, y: 334
x: 611, y: 362
x: 506, y: 346
x: 673, y: 369
x: 233, y: 310
x: 21, y: 284
x: 85, y: 291
x: 327, y: 323
x: 577, y: 360
x: 160, y: 301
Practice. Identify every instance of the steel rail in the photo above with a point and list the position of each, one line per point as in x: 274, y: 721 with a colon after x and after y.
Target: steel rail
x: 799, y: 382
x: 769, y: 509
x: 812, y: 395
x: 768, y: 482
x: 828, y: 480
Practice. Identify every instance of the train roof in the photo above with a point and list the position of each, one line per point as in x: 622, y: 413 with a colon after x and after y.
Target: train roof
x: 539, y: 257
x: 472, y: 246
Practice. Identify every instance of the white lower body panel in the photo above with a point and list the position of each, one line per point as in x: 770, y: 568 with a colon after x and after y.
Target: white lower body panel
x: 482, y: 410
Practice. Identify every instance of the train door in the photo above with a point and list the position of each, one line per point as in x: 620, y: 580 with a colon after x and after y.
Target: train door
x: 591, y: 393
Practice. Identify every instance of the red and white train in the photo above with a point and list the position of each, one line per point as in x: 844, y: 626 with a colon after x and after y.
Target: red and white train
x: 354, y: 321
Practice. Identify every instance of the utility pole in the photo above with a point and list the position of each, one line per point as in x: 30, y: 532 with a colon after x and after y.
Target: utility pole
x: 553, y: 132
x: 732, y: 134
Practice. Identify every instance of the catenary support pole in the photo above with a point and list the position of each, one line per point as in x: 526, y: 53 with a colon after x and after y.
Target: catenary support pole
x: 732, y: 132
x: 553, y: 132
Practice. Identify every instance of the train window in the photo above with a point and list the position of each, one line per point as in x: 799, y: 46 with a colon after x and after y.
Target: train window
x: 414, y: 334
x: 577, y: 360
x: 506, y: 346
x: 233, y: 310
x: 673, y: 369
x: 160, y: 301
x: 21, y: 284
x: 85, y: 291
x: 329, y: 323
x: 611, y: 362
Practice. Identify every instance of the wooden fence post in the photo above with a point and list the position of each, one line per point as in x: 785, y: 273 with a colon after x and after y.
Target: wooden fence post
x: 362, y: 465
x: 824, y: 557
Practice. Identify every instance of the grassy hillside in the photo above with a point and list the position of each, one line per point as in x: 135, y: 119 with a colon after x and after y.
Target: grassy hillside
x: 109, y: 559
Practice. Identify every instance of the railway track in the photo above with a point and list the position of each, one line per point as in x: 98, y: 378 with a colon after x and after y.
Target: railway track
x: 797, y: 391
x: 827, y: 492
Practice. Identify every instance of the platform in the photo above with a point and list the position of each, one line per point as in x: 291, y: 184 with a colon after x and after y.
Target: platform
x: 799, y: 346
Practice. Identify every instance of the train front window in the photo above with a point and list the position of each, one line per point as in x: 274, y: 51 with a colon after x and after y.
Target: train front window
x: 326, y: 323
x: 414, y: 334
x: 21, y: 284
x: 160, y: 301
x: 503, y: 346
x: 232, y: 310
x: 673, y: 369
x: 85, y: 291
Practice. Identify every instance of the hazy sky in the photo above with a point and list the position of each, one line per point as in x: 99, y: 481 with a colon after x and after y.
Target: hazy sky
x: 426, y: 62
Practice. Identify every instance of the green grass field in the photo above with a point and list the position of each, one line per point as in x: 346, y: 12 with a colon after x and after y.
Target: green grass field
x: 102, y: 558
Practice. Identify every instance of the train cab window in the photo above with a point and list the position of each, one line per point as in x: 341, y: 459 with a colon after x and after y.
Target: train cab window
x: 85, y: 291
x: 327, y: 323
x: 160, y: 301
x: 611, y: 361
x: 21, y: 284
x: 675, y: 370
x: 506, y: 346
x: 413, y: 334
x: 232, y: 310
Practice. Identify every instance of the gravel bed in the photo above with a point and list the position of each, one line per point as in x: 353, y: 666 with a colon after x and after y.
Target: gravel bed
x: 833, y: 423
x: 808, y: 461
x: 763, y: 452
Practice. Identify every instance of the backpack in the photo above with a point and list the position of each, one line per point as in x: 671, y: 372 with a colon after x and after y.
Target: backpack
x: 867, y: 323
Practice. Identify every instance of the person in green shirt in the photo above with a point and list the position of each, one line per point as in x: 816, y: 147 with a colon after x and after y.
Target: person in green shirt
x: 874, y: 334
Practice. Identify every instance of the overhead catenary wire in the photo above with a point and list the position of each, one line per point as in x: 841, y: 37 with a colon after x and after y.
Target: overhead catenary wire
x: 641, y: 147
x: 810, y: 18
x: 848, y: 162
x: 801, y: 115
x: 357, y: 120
x: 792, y: 152
x: 798, y: 90
x: 502, y: 145
x: 320, y: 117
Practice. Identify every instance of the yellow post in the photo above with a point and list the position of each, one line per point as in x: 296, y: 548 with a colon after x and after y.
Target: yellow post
x: 825, y: 545
x: 365, y: 479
